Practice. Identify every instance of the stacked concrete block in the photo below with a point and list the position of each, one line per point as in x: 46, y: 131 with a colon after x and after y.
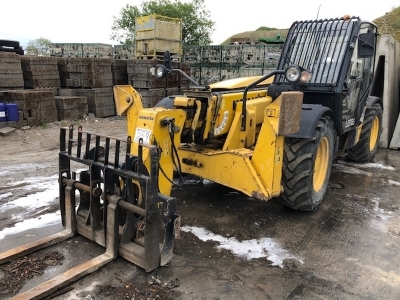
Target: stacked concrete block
x: 97, y: 50
x: 213, y: 63
x: 119, y: 71
x: 71, y: 107
x: 85, y: 72
x: 66, y: 92
x: 176, y: 79
x: 11, y: 76
x: 81, y: 50
x: 100, y: 101
x: 124, y: 51
x: 40, y: 72
x: 35, y: 107
x: 102, y: 74
x: 150, y: 97
x: 139, y: 74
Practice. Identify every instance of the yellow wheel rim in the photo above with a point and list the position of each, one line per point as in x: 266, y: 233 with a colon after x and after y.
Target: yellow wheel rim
x: 321, y: 164
x: 373, y: 138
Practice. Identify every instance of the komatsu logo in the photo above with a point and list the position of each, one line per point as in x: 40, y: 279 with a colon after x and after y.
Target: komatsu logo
x: 146, y: 118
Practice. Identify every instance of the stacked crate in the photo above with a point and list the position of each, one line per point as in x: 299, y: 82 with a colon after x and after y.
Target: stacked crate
x: 76, y: 72
x: 40, y: 71
x: 155, y: 34
x: 35, y: 107
x: 71, y: 107
x: 100, y: 101
x: 11, y: 76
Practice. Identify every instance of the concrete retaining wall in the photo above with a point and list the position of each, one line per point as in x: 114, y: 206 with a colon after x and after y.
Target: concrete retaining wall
x: 390, y: 49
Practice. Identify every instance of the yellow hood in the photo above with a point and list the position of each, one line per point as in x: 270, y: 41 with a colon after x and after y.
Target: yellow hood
x: 239, y: 82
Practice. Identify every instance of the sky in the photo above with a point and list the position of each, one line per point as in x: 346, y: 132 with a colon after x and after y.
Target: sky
x: 90, y: 21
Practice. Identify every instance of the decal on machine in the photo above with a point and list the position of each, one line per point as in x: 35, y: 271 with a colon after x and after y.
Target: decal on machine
x: 143, y: 134
x: 222, y: 126
x: 146, y: 118
x: 350, y: 122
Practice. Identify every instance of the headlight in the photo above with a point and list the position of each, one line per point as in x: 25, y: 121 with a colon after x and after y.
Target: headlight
x: 159, y: 71
x: 305, y: 76
x: 295, y: 73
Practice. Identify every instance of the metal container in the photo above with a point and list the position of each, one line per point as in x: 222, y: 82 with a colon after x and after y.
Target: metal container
x: 156, y: 34
x: 3, y: 116
x: 12, y: 112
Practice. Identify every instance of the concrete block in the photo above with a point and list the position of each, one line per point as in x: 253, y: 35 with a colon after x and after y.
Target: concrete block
x: 6, y: 130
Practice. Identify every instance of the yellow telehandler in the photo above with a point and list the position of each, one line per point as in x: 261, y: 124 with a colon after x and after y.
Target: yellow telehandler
x: 266, y: 136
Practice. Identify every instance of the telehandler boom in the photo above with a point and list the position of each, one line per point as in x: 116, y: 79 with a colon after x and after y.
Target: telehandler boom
x: 274, y: 135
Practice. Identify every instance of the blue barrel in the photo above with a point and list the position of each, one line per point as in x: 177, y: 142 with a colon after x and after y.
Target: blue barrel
x: 3, y: 116
x: 12, y: 112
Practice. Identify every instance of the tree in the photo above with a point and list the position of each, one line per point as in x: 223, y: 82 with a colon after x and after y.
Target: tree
x: 40, y: 46
x: 197, y: 26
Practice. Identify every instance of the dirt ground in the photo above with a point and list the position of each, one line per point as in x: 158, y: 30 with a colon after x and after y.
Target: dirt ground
x: 232, y: 246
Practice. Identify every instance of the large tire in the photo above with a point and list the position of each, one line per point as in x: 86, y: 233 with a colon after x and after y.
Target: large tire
x: 367, y: 147
x: 307, y: 165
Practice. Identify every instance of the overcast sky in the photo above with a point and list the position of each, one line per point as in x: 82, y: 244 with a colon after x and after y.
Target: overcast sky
x: 89, y: 21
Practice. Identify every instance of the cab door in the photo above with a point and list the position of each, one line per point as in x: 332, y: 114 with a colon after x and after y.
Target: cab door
x: 359, y: 77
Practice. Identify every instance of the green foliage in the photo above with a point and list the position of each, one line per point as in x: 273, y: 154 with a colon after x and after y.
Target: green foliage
x: 389, y: 23
x: 40, y: 46
x: 266, y: 28
x: 197, y: 26
x: 255, y: 36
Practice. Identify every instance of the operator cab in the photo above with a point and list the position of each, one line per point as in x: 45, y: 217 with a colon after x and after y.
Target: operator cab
x: 339, y: 53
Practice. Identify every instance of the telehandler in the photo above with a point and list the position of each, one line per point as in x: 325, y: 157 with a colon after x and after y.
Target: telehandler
x: 274, y: 135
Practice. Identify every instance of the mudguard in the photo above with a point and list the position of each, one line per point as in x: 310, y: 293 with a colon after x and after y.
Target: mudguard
x: 372, y: 100
x: 310, y: 115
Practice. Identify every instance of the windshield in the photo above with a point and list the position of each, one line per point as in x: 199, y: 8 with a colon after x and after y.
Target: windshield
x: 318, y: 46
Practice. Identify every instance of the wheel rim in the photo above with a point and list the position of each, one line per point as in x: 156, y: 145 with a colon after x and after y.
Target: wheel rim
x: 321, y: 164
x: 373, y: 139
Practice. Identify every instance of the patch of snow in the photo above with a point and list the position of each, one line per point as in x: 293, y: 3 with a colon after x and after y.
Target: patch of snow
x: 39, y: 222
x: 250, y: 249
x: 389, y: 181
x: 351, y: 170
x: 5, y: 195
x: 50, y: 191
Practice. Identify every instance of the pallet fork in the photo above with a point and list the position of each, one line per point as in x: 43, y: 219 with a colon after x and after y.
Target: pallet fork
x: 109, y: 212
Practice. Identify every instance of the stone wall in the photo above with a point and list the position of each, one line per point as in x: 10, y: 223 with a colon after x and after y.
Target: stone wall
x: 48, y: 89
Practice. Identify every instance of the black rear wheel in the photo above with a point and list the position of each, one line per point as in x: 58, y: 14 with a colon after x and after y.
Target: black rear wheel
x: 307, y: 166
x: 367, y: 147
